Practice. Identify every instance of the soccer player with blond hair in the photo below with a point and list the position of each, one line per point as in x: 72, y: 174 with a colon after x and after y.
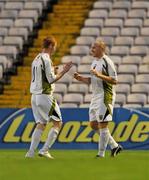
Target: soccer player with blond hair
x: 103, y: 78
x: 44, y: 105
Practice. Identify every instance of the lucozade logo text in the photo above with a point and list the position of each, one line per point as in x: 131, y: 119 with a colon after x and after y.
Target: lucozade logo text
x: 17, y: 128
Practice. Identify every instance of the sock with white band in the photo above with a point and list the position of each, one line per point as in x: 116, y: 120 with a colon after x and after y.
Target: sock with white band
x: 36, y: 136
x: 103, y: 142
x: 112, y: 143
x: 51, y: 139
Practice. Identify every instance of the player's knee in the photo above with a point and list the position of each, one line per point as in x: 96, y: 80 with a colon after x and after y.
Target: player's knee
x: 60, y: 124
x: 94, y: 125
x: 41, y: 126
x: 103, y: 125
x: 57, y: 124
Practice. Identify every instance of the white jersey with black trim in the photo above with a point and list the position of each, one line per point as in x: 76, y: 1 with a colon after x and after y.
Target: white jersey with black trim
x: 42, y: 75
x: 102, y: 88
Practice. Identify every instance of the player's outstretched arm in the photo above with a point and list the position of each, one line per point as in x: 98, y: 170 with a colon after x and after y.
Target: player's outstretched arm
x: 78, y: 77
x: 66, y: 68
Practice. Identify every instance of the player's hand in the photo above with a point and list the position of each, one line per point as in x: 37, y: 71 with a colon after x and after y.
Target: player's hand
x: 77, y: 76
x: 67, y: 66
x: 94, y: 72
x: 56, y: 69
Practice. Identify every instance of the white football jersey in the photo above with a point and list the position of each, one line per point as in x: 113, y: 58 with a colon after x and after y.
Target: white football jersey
x: 42, y: 75
x: 100, y: 87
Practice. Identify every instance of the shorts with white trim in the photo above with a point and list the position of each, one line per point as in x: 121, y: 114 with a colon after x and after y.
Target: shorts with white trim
x: 45, y: 108
x: 99, y: 111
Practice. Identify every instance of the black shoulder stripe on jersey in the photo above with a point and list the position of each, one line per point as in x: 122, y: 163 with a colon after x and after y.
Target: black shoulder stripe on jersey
x: 105, y: 66
x: 44, y: 67
x: 43, y: 71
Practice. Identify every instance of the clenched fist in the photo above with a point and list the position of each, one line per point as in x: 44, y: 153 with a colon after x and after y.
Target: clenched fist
x: 77, y: 76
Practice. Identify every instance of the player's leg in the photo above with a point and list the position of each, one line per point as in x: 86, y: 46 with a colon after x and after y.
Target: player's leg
x: 104, y: 115
x: 53, y: 133
x: 52, y: 136
x: 96, y: 114
x: 104, y: 138
x: 40, y: 126
x: 95, y: 125
x: 107, y: 139
x: 36, y: 136
x: 112, y: 143
x: 105, y: 135
x: 99, y: 119
x: 103, y: 131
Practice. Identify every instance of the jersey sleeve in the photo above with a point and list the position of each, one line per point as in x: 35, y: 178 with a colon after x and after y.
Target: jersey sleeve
x: 49, y: 71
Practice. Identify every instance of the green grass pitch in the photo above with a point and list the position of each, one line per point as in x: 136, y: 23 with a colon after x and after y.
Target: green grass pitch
x: 74, y: 165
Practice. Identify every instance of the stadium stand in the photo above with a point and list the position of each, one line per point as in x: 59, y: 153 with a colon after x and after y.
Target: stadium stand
x: 22, y: 34
x: 123, y: 25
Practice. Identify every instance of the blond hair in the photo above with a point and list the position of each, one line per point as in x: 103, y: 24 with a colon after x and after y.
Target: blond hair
x: 102, y: 45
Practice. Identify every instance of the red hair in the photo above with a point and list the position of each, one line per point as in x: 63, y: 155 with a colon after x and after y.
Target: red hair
x: 49, y: 41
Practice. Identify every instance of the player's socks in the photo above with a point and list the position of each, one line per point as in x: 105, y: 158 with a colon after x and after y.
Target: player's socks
x: 35, y: 139
x: 50, y: 140
x: 112, y: 143
x: 34, y: 143
x: 104, y: 139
